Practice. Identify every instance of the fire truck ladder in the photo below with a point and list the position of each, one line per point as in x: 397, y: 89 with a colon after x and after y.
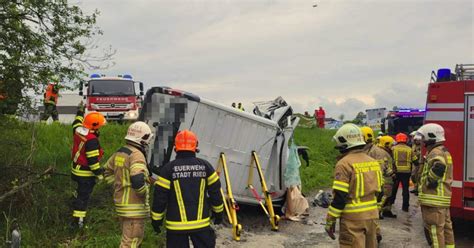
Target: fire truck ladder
x: 230, y: 204
x: 269, y: 211
x: 464, y: 71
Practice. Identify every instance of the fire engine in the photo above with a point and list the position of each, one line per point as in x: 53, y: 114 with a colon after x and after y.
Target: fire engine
x: 114, y: 97
x: 403, y: 120
x: 450, y: 103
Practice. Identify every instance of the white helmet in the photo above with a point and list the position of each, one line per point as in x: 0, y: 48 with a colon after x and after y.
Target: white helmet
x: 431, y: 133
x: 140, y: 133
x: 348, y: 136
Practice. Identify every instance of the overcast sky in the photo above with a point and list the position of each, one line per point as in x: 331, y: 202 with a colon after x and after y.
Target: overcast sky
x: 346, y: 56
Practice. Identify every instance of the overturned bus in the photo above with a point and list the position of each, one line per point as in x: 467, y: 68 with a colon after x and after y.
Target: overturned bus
x: 223, y: 129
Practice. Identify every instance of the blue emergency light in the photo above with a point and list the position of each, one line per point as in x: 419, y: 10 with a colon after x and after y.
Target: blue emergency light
x: 444, y: 74
x: 95, y: 75
x: 127, y: 76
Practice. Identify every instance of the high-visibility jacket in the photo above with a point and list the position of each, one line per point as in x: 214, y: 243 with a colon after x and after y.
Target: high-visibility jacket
x: 403, y: 157
x: 51, y: 95
x: 436, y: 178
x: 386, y: 162
x: 86, y: 150
x: 187, y: 188
x: 128, y: 172
x: 357, y: 179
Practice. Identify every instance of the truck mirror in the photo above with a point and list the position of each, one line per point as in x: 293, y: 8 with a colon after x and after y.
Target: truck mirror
x: 141, y: 89
x: 81, y: 87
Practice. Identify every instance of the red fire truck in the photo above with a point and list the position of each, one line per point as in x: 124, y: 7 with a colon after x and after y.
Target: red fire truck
x: 114, y: 97
x: 450, y: 103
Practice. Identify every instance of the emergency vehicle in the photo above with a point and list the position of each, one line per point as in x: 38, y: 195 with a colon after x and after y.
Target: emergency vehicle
x: 115, y: 97
x: 450, y: 103
x: 403, y: 120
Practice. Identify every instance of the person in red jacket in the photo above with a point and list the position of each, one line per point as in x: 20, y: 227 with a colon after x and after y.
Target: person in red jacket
x: 320, y: 116
x: 86, y: 154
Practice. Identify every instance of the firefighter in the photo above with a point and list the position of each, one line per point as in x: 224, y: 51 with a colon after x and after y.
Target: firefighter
x: 50, y: 101
x: 187, y: 188
x: 357, y: 179
x: 127, y: 170
x: 320, y: 117
x: 404, y: 159
x: 368, y: 134
x: 382, y: 153
x: 86, y: 154
x: 416, y: 149
x: 435, y: 187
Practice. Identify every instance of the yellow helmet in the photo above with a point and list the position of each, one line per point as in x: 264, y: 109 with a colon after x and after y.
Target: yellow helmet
x: 368, y: 134
x: 386, y: 141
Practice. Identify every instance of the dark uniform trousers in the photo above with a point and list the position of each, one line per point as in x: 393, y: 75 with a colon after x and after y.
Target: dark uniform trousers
x: 85, y: 185
x: 50, y: 110
x: 200, y: 239
x: 403, y: 178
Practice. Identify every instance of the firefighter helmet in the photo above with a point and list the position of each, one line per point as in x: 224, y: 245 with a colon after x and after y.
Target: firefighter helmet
x: 386, y: 141
x: 348, y: 136
x: 431, y: 133
x: 94, y: 121
x: 140, y: 133
x: 401, y: 138
x: 186, y: 141
x: 368, y: 134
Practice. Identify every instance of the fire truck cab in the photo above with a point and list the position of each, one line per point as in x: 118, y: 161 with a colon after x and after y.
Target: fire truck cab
x: 115, y: 97
x: 450, y: 103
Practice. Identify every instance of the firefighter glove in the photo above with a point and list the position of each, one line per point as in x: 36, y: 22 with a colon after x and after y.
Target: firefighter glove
x: 156, y: 225
x: 217, y: 218
x: 330, y: 226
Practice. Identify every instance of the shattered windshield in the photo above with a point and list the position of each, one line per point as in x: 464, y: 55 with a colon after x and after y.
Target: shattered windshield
x: 111, y: 88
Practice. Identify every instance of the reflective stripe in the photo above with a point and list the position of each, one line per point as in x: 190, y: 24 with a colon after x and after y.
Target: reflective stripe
x: 218, y: 209
x: 179, y: 198
x: 93, y: 153
x: 76, y: 125
x: 187, y: 225
x: 360, y: 207
x: 379, y: 181
x: 450, y: 246
x: 81, y: 173
x: 212, y: 178
x: 142, y: 189
x: 95, y: 166
x: 163, y: 182
x: 80, y: 118
x: 125, y: 185
x: 334, y: 212
x: 79, y: 214
x: 201, y: 199
x: 434, y: 237
x: 140, y: 166
x: 78, y: 153
x: 134, y: 243
x: 110, y: 179
x: 157, y: 216
x: 340, y: 185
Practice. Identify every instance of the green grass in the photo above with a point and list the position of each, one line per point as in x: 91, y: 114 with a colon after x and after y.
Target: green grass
x: 322, y: 156
x: 43, y: 210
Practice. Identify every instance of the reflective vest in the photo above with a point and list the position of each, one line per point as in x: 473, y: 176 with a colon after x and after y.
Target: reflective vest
x: 121, y: 168
x: 80, y: 164
x: 359, y: 176
x: 440, y: 196
x: 51, y: 95
x: 403, y: 157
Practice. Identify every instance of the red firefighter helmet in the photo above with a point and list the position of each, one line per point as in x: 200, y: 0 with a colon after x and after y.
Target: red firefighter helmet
x: 186, y: 141
x: 401, y: 138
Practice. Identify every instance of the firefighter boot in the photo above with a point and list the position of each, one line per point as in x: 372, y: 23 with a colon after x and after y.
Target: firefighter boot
x: 389, y: 214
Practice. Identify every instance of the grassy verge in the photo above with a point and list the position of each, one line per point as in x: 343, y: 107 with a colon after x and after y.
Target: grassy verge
x: 43, y: 210
x: 322, y: 156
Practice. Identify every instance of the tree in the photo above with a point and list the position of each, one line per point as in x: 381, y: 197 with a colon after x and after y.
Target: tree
x: 43, y: 41
x: 359, y: 119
